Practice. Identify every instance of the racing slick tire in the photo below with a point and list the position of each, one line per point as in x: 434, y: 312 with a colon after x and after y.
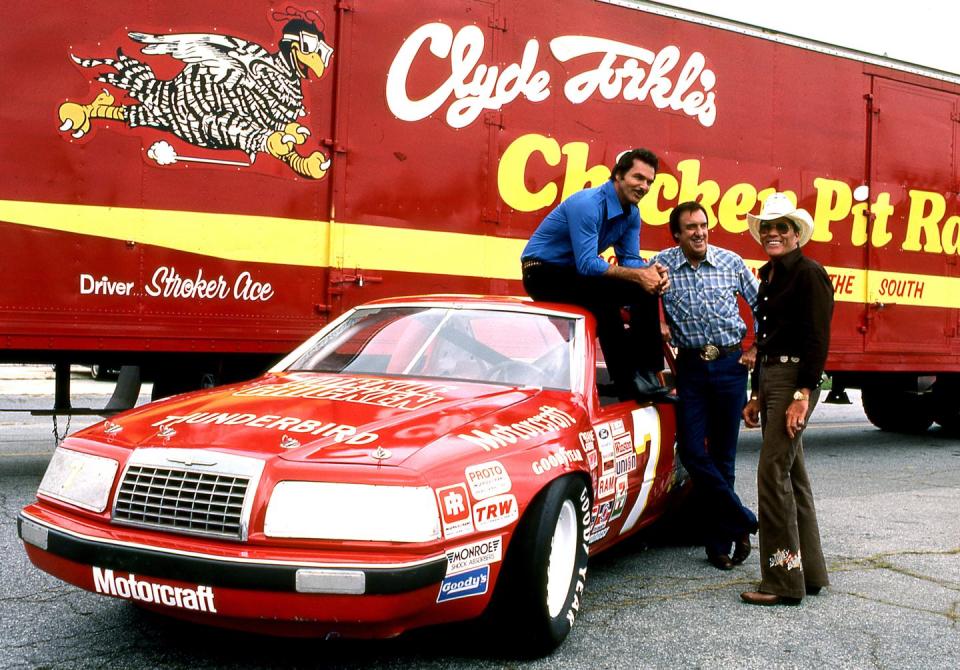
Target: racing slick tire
x: 540, y: 590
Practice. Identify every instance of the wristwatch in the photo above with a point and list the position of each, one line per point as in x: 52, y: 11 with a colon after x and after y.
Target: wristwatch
x: 800, y: 395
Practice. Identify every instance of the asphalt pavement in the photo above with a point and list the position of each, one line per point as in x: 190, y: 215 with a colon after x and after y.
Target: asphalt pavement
x: 889, y: 511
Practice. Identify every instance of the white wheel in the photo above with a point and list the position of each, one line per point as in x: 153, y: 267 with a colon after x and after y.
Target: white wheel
x: 540, y: 588
x: 563, y: 558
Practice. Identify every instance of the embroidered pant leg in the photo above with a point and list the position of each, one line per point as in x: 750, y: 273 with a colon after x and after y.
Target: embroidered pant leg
x: 785, y: 497
x: 811, y: 553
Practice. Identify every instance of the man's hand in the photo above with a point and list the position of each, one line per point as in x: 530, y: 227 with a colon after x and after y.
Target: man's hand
x: 665, y: 331
x: 751, y: 413
x: 749, y: 357
x: 797, y: 415
x: 664, y: 277
x: 652, y: 278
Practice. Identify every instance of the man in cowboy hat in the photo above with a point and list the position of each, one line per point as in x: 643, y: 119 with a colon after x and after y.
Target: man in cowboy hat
x: 795, y: 305
x: 704, y: 323
x: 561, y: 263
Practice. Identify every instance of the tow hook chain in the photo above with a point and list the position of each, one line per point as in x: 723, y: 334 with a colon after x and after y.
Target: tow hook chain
x: 57, y: 437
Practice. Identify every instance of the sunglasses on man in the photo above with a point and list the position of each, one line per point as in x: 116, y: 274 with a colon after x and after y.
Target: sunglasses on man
x: 782, y: 227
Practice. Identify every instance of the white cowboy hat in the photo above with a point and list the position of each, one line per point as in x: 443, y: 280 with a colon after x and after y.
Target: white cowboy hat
x: 779, y: 206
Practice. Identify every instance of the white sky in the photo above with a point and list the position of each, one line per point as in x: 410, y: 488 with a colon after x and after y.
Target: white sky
x: 925, y: 32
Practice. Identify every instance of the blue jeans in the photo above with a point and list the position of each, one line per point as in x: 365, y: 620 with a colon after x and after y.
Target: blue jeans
x: 712, y: 395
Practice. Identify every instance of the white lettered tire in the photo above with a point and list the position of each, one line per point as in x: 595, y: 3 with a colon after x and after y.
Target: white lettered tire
x: 540, y: 590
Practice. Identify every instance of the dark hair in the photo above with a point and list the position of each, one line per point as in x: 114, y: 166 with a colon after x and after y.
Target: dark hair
x: 680, y: 210
x: 625, y: 162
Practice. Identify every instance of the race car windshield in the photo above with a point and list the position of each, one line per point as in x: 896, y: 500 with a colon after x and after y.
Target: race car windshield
x: 473, y: 345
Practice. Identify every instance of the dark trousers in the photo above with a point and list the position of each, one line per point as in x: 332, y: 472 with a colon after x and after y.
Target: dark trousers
x: 712, y: 395
x: 790, y: 554
x: 625, y: 352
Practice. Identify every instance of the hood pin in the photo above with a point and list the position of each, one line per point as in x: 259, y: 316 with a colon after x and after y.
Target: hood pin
x: 380, y: 454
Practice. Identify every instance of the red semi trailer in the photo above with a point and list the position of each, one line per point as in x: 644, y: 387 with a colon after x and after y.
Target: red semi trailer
x: 194, y: 191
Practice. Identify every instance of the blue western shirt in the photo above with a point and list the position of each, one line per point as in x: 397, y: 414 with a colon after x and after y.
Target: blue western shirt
x: 701, y: 303
x: 582, y: 226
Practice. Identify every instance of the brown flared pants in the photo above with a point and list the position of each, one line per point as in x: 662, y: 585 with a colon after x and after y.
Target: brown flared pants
x: 791, y: 558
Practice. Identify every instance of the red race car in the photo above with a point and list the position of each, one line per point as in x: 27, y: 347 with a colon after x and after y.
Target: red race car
x: 416, y: 461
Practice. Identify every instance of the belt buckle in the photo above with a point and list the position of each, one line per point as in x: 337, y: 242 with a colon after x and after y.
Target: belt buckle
x: 710, y: 353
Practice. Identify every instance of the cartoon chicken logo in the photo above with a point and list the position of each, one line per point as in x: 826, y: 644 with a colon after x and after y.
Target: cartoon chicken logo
x: 231, y: 94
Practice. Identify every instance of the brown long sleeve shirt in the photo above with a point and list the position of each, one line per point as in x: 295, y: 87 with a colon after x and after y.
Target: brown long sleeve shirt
x: 794, y: 309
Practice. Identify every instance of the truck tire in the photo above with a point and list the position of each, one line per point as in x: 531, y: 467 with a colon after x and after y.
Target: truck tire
x: 897, y: 410
x: 540, y: 589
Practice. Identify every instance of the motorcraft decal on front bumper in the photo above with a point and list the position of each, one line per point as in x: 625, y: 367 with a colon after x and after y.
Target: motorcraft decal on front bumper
x: 200, y: 599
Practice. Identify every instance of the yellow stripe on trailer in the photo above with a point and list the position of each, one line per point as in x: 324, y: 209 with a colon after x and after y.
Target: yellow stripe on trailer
x: 265, y: 239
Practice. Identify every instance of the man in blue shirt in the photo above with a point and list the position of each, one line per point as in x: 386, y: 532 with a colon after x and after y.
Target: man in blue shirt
x: 561, y: 263
x: 704, y: 324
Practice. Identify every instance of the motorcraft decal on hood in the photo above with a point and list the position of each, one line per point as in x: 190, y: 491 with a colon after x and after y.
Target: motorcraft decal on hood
x: 548, y: 420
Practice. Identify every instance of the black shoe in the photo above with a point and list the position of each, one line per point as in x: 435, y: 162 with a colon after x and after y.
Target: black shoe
x: 646, y: 386
x: 813, y: 590
x: 741, y: 549
x: 720, y: 561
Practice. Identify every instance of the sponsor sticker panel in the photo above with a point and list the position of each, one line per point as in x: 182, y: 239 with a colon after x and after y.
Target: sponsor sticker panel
x: 626, y: 463
x: 622, y: 444
x: 495, y: 512
x: 455, y: 510
x: 487, y: 479
x: 620, y: 496
x: 474, y: 555
x: 606, y: 485
x: 601, y: 522
x: 464, y: 584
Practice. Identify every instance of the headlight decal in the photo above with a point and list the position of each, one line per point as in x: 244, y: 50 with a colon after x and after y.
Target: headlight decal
x: 80, y: 479
x: 338, y: 511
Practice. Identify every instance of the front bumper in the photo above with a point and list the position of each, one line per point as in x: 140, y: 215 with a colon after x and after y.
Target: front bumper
x: 292, y: 597
x: 230, y: 573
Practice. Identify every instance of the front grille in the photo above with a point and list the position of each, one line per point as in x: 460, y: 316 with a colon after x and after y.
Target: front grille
x: 180, y: 500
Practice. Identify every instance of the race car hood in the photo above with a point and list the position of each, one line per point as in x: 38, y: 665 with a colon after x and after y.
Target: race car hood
x: 316, y: 417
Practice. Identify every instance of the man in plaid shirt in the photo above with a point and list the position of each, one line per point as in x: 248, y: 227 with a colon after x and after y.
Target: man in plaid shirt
x: 704, y: 323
